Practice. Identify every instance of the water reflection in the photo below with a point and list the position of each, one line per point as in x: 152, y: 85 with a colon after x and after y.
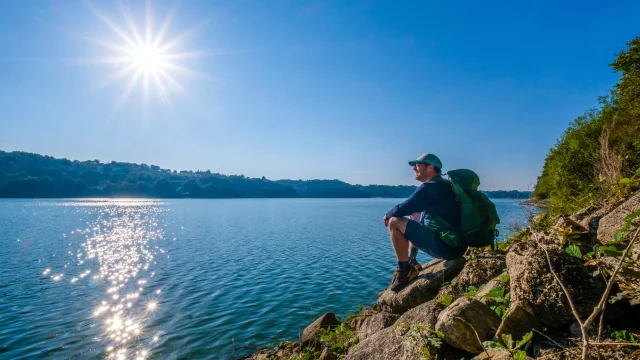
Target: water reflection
x: 119, y: 248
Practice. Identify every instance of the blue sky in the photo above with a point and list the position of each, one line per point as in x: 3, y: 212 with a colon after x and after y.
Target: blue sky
x: 345, y: 90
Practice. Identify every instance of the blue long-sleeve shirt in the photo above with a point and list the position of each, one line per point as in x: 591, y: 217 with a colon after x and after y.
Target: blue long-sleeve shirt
x: 434, y: 197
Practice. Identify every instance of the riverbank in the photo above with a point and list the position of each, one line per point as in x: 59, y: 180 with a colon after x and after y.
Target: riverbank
x: 504, y: 303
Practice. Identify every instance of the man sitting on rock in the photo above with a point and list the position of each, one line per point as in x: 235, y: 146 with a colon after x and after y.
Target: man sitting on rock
x: 435, y: 199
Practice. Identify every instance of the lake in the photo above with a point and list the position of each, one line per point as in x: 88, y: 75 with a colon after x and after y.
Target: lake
x: 179, y: 279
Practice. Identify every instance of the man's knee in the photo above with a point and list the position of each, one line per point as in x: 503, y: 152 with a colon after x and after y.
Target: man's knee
x: 397, y: 223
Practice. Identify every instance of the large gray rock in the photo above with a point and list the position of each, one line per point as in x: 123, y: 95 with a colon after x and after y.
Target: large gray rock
x: 518, y: 322
x: 312, y: 332
x: 532, y: 283
x: 498, y: 281
x: 390, y: 343
x: 423, y: 288
x: 425, y: 314
x: 458, y: 321
x: 368, y: 325
x: 494, y: 354
x: 327, y: 354
x: 398, y: 343
x: 477, y: 271
x: 613, y: 221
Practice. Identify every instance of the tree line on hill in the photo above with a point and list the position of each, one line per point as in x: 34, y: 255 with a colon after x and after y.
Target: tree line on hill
x: 27, y: 175
x: 597, y: 159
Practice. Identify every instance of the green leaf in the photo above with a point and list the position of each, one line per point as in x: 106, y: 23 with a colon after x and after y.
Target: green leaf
x: 574, y: 251
x: 520, y: 355
x: 496, y: 292
x: 524, y: 340
x: 504, y: 278
x: 445, y: 300
x: 493, y: 345
x: 632, y: 216
x: 471, y: 291
x: 508, y: 340
x: 610, y: 250
x: 637, y: 172
x: 624, y: 181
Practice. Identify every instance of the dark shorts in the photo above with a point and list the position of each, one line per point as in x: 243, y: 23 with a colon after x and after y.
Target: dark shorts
x: 431, y: 243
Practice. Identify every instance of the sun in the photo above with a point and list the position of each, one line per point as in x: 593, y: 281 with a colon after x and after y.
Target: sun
x: 146, y: 60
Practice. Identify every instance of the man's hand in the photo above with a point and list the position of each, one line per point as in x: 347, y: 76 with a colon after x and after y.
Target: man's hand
x: 386, y: 221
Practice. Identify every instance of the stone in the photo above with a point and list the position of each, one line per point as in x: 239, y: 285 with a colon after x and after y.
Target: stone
x: 425, y: 314
x: 533, y: 283
x: 458, y: 322
x: 423, y: 288
x: 518, y: 322
x: 493, y: 283
x: 387, y: 344
x: 494, y: 354
x: 477, y: 271
x: 328, y: 355
x: 311, y: 333
x: 613, y: 221
x: 397, y: 343
x: 368, y: 325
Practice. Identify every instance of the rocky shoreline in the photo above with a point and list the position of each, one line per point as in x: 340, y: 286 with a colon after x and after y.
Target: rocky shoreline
x: 504, y: 303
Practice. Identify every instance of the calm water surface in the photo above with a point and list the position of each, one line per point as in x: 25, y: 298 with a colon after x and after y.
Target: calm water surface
x: 180, y: 279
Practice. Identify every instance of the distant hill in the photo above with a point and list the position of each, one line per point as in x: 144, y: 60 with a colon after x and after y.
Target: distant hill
x: 27, y: 175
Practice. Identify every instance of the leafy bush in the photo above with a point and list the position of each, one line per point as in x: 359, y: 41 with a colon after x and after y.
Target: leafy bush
x: 598, y: 148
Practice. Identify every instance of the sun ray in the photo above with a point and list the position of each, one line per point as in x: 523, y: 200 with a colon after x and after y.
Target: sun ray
x: 148, y: 27
x: 165, y: 25
x: 178, y: 39
x: 126, y: 13
x: 129, y: 89
x: 176, y: 84
x: 117, y: 76
x: 109, y: 23
x: 187, y: 71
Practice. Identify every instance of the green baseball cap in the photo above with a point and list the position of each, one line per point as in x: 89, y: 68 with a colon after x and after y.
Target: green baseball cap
x: 427, y: 159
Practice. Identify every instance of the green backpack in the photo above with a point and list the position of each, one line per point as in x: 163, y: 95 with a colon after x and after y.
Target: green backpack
x: 478, y: 215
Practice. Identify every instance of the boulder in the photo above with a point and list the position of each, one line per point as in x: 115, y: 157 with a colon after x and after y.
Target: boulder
x: 390, y: 343
x: 613, y: 221
x: 400, y: 343
x: 421, y: 289
x: 493, y: 283
x: 477, y: 271
x: 312, y: 334
x: 533, y: 283
x: 458, y: 322
x: 494, y: 354
x: 519, y: 321
x: 425, y: 314
x: 368, y: 325
x: 328, y: 355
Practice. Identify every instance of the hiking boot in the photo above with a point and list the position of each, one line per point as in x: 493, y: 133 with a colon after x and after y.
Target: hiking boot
x: 400, y: 280
x: 414, y: 269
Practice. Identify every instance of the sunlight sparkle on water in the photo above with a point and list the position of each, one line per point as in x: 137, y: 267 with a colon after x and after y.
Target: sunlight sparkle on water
x: 126, y: 239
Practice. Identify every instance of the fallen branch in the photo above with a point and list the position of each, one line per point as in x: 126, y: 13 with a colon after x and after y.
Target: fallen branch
x: 584, y: 326
x: 585, y: 342
x: 616, y: 344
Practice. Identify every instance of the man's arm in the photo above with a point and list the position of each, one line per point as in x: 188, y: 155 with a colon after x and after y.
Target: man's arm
x: 413, y: 204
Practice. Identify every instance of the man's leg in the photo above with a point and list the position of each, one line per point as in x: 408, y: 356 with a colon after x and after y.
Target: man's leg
x: 397, y: 227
